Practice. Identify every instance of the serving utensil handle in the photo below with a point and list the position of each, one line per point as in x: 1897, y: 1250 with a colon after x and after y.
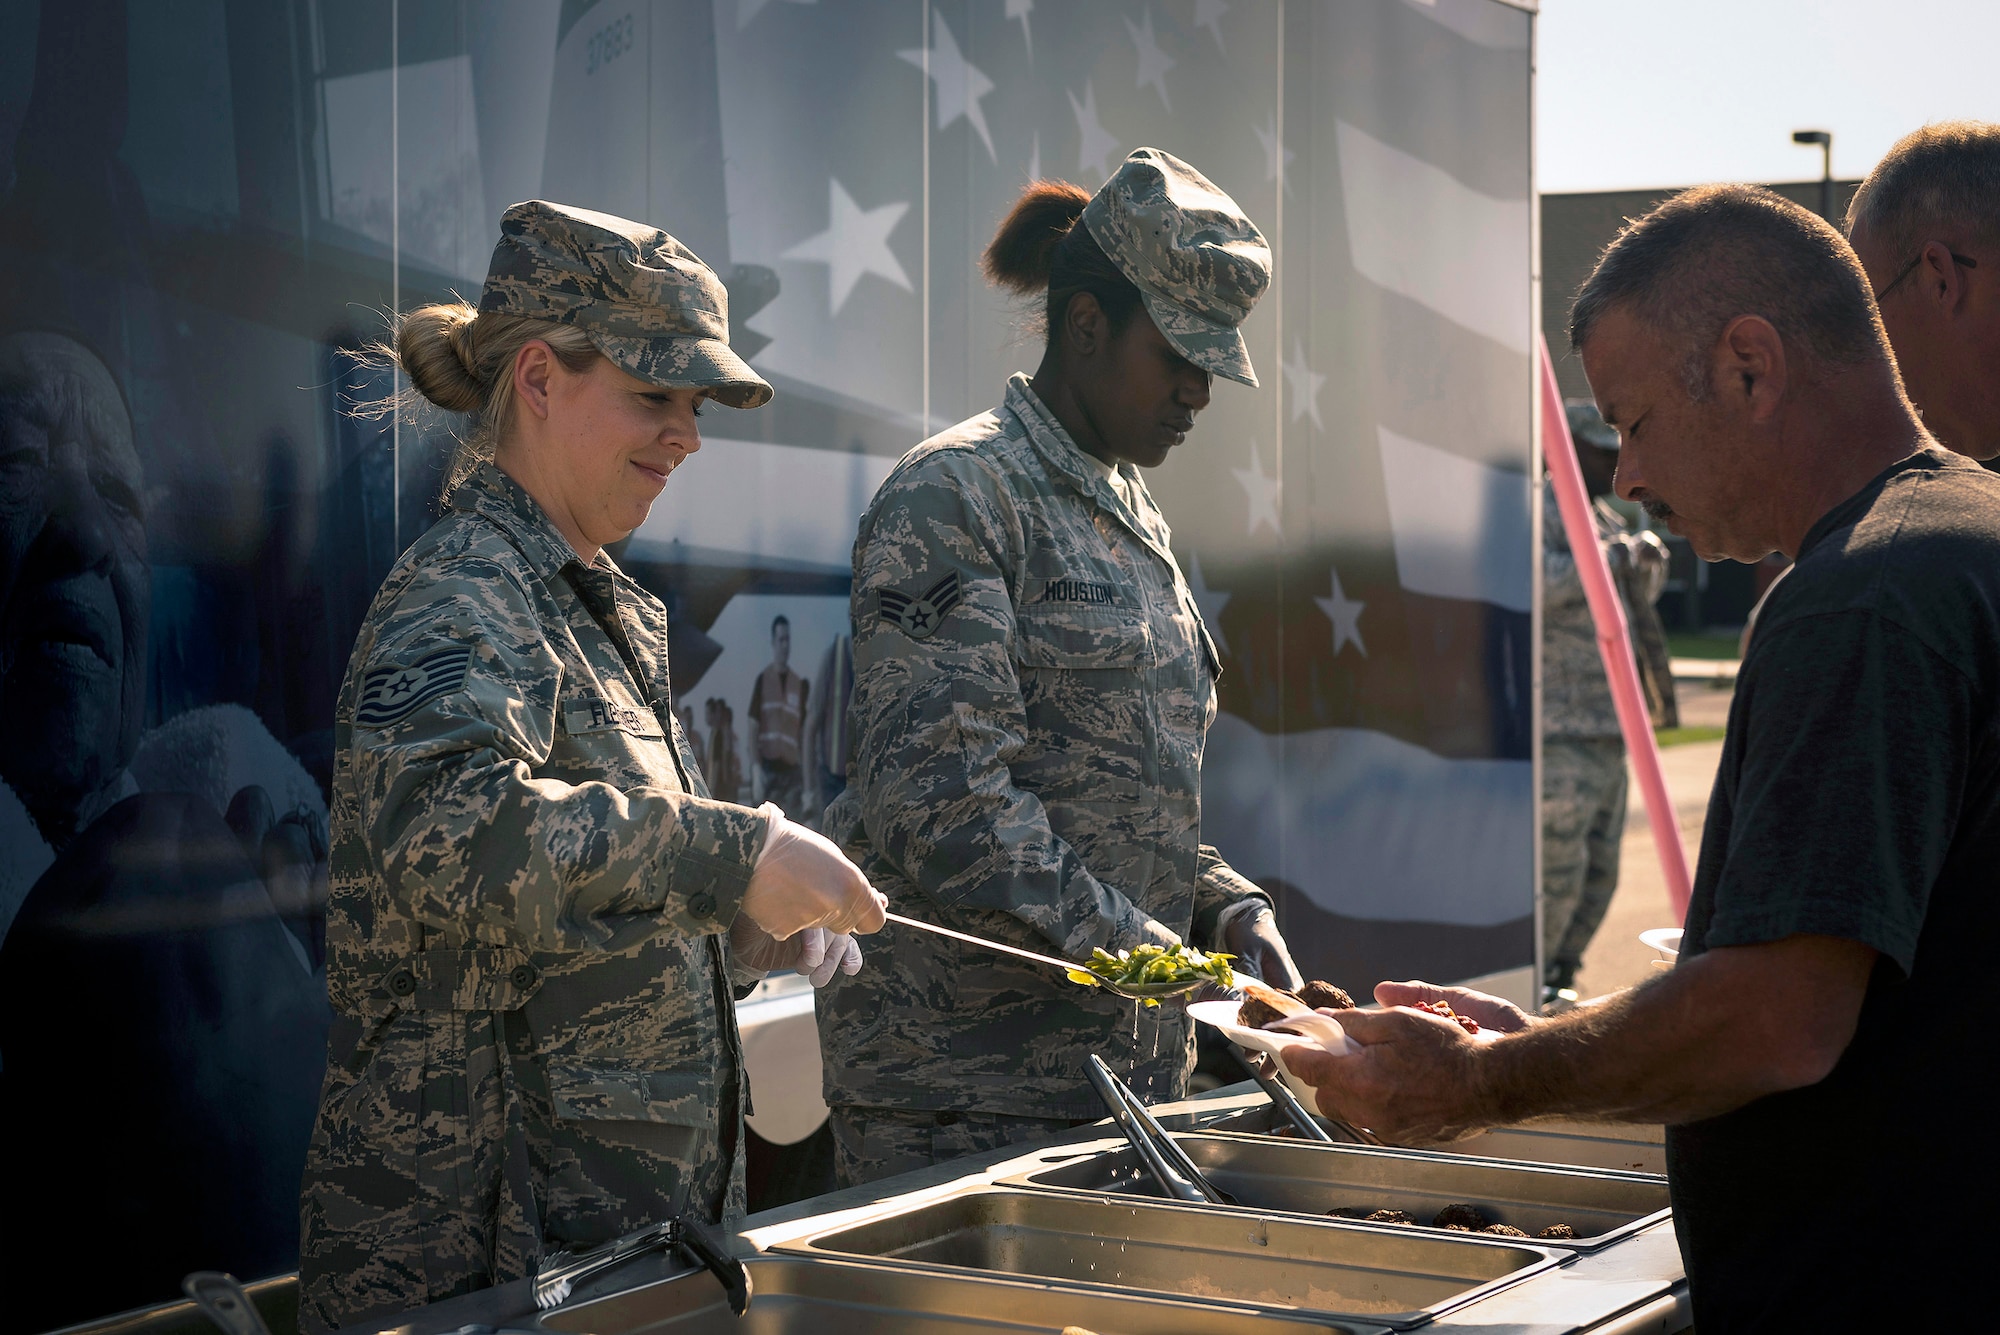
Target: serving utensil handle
x: 980, y: 941
x: 223, y: 1301
x: 1286, y: 1101
x: 1168, y: 1162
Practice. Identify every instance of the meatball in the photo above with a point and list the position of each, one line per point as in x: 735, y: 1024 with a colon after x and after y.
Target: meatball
x: 1558, y: 1233
x: 1392, y: 1217
x: 1464, y: 1216
x: 1255, y: 1014
x: 1504, y: 1230
x: 1324, y: 996
x: 1346, y: 1212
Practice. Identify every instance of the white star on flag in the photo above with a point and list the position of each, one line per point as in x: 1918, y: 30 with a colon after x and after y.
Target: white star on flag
x: 1277, y: 156
x: 749, y: 9
x: 1020, y: 9
x: 1208, y: 14
x: 1153, y: 62
x: 1262, y: 491
x: 1345, y: 614
x: 1210, y: 601
x: 855, y: 242
x: 1305, y: 383
x: 959, y: 83
x: 1098, y: 145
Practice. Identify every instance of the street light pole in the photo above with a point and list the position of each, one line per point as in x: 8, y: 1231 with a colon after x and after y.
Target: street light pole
x: 1824, y: 138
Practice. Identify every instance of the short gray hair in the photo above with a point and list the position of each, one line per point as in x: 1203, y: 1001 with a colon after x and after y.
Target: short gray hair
x: 1716, y: 252
x: 1944, y: 175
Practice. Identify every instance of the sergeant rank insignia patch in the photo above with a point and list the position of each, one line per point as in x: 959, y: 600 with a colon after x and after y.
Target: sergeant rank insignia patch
x: 918, y: 617
x: 390, y: 694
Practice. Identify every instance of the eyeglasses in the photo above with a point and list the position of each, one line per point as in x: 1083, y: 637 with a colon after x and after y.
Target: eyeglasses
x: 1911, y: 268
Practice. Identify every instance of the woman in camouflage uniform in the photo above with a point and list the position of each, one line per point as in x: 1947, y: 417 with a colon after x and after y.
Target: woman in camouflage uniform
x: 536, y: 911
x: 1032, y: 687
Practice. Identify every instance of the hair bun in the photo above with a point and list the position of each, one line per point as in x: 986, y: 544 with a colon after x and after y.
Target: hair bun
x: 434, y: 344
x: 1021, y: 255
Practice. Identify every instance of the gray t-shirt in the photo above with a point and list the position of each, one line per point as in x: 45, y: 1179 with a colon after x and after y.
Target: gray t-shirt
x: 1859, y: 797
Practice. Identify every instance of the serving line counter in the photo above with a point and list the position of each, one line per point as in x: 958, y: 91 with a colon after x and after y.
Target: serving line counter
x: 1072, y: 1233
x: 1069, y: 1233
x: 1078, y: 1216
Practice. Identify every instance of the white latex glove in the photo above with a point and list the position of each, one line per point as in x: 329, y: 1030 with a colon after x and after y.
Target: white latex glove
x: 814, y: 952
x: 802, y: 880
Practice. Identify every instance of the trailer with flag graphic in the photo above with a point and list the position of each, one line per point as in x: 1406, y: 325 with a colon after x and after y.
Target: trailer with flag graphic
x: 215, y: 203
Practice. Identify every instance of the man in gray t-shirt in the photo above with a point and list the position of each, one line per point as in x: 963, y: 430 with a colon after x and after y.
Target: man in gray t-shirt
x: 1832, y: 992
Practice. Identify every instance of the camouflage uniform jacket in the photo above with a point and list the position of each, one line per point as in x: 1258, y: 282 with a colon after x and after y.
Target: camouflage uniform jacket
x: 535, y: 1043
x: 1033, y: 685
x: 1576, y: 696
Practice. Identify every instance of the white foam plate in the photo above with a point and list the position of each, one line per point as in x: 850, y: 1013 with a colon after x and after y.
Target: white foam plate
x: 1330, y: 1037
x: 1666, y: 940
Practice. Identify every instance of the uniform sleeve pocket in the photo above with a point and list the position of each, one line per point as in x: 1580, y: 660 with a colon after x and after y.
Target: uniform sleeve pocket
x: 1082, y: 638
x: 592, y: 1094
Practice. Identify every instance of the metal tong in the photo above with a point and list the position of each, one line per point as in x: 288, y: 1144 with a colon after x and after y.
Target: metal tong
x: 1286, y: 1101
x: 1294, y: 1111
x: 1167, y: 1161
x: 559, y: 1275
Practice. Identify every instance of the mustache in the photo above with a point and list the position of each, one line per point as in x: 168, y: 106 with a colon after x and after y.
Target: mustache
x: 1659, y: 510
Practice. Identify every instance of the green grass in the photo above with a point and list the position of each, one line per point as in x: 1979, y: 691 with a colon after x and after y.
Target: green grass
x: 1690, y: 644
x: 1677, y: 736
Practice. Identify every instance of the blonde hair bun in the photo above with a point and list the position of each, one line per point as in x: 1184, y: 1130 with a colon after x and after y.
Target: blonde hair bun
x: 463, y: 362
x: 435, y: 346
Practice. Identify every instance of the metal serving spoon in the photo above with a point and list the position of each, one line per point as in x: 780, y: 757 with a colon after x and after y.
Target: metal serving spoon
x: 1134, y: 991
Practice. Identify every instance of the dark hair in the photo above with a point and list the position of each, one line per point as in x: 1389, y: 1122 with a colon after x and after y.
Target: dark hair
x: 1041, y: 245
x: 1716, y: 252
x: 1944, y: 175
x: 778, y: 621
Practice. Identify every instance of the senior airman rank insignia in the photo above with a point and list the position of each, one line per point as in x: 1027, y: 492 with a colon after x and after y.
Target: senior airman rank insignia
x: 391, y: 694
x: 918, y: 617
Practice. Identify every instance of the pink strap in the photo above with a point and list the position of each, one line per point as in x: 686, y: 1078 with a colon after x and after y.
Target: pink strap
x: 1614, y: 640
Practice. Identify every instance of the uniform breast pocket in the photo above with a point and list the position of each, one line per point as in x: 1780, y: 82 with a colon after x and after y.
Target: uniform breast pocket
x: 610, y: 736
x: 1085, y: 678
x: 1083, y: 640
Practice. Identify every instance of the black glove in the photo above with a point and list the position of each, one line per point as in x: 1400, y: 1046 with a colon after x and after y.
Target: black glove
x: 1252, y: 937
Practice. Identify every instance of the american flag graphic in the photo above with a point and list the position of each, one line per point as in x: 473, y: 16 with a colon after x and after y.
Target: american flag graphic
x: 1359, y: 531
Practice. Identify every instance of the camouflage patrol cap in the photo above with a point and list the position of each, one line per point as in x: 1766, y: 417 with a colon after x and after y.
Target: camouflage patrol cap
x: 1196, y: 258
x: 645, y: 300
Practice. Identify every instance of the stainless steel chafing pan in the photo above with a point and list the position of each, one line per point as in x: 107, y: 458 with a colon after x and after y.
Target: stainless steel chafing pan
x: 1230, y: 1258
x: 797, y: 1296
x: 1626, y: 1149
x: 1298, y: 1178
